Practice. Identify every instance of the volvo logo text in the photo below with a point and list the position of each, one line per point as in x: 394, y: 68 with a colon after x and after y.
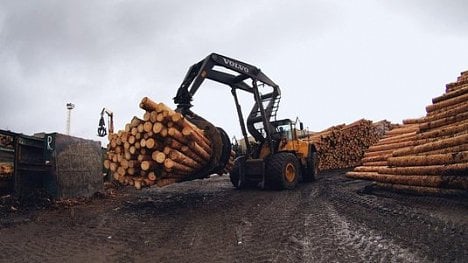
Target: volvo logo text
x: 235, y: 65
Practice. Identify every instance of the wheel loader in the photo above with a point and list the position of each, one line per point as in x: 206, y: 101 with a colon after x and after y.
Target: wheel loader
x: 277, y: 159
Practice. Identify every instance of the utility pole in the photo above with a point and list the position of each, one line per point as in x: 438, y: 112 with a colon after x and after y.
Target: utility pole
x: 70, y: 107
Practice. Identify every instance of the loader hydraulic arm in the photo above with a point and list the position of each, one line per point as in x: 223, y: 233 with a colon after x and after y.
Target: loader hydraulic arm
x: 265, y: 104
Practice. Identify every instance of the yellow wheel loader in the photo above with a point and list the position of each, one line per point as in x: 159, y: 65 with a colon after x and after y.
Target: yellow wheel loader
x: 277, y: 158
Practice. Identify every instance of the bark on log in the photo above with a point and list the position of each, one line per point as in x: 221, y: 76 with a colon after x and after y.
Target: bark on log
x: 430, y: 146
x: 434, y: 159
x: 451, y: 169
x: 174, y: 166
x: 449, y: 102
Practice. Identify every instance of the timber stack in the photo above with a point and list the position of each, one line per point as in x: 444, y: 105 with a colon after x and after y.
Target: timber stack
x: 343, y: 146
x: 425, y: 155
x: 160, y: 148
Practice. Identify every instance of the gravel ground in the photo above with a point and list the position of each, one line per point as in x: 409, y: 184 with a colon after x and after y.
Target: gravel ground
x: 330, y: 220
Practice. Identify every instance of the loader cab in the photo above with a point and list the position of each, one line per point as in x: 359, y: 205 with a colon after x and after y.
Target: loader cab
x: 286, y: 129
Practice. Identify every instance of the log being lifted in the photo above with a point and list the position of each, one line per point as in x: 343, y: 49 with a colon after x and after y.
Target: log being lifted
x: 161, y: 148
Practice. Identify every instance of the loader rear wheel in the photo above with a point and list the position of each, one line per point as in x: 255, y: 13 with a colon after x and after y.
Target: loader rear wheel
x: 283, y: 171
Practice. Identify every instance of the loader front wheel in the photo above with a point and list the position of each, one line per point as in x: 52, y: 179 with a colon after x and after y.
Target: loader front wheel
x: 283, y: 171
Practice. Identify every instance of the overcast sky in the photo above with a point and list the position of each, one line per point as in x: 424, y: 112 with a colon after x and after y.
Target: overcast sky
x: 335, y: 61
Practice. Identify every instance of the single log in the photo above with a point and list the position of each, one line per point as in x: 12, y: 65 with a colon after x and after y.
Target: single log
x: 158, y: 156
x: 141, y: 128
x: 377, y: 153
x: 121, y: 171
x: 402, y: 130
x: 146, y: 116
x: 185, y: 150
x: 367, y: 169
x: 132, y: 149
x: 449, y: 102
x: 407, y: 142
x: 444, y: 131
x: 397, y: 138
x: 147, y: 165
x: 183, y: 159
x: 128, y: 128
x: 443, y: 122
x: 199, y: 150
x: 164, y: 108
x: 176, y: 134
x: 450, y: 169
x: 132, y: 139
x: 362, y: 175
x: 148, y: 104
x: 157, y: 127
x: 457, y: 109
x: 430, y: 146
x: 201, y: 140
x: 124, y: 163
x: 153, y: 115
x: 453, y: 149
x: 379, y: 163
x: 450, y: 95
x: 413, y: 121
x: 152, y: 176
x: 376, y: 158
x: 161, y: 116
x: 135, y: 122
x: 434, y: 159
x: 174, y: 166
x: 148, y: 126
x: 151, y: 143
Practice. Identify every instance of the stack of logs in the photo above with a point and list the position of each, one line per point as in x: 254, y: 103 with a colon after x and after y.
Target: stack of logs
x: 160, y: 149
x: 426, y: 155
x: 343, y: 146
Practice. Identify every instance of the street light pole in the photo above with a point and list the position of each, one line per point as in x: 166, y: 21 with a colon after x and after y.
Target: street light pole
x: 70, y: 107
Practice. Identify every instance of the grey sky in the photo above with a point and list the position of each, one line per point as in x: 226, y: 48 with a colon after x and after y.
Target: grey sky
x: 335, y: 61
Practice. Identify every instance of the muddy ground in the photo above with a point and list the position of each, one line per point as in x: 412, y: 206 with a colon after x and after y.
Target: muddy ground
x: 330, y: 220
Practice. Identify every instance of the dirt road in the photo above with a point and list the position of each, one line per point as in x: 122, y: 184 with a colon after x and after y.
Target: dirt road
x: 329, y: 220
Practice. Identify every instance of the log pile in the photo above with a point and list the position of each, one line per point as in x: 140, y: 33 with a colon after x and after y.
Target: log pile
x: 426, y: 155
x: 160, y: 148
x: 343, y: 146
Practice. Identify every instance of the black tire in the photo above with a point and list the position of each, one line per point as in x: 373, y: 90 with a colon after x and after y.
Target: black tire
x: 311, y: 170
x: 283, y: 171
